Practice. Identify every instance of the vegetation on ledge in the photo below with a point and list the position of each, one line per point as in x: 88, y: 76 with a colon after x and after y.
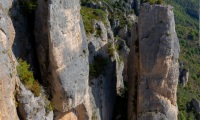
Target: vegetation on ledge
x: 26, y: 77
x: 89, y: 15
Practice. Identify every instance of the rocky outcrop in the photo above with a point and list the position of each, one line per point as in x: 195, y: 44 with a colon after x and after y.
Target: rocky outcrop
x: 65, y: 54
x: 69, y: 62
x: 31, y: 107
x: 7, y: 65
x: 153, y: 74
x: 64, y: 60
x: 184, y: 76
x: 102, y: 90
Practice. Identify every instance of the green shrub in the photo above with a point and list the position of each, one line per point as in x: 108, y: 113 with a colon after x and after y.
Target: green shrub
x: 94, y: 116
x: 89, y: 15
x: 152, y: 2
x: 159, y: 1
x: 27, y: 78
x: 25, y: 75
x: 49, y: 107
x: 36, y: 88
x: 98, y: 32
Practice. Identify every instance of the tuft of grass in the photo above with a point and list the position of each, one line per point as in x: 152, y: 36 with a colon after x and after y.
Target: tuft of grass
x: 94, y: 116
x: 153, y: 1
x: 27, y: 78
x: 113, y: 49
x: 49, y: 107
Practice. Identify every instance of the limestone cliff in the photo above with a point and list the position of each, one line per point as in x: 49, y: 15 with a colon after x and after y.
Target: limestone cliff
x: 154, y: 67
x: 65, y: 54
x: 83, y: 76
x: 7, y: 65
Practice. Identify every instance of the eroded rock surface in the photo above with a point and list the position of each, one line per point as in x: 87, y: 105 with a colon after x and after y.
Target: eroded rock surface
x: 7, y: 65
x: 69, y: 63
x: 31, y: 107
x: 158, y: 69
x: 65, y: 52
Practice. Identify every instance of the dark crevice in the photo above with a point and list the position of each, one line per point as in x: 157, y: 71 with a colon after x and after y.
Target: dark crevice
x: 24, y: 45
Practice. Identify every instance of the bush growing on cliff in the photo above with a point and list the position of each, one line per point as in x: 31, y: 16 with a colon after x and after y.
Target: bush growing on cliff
x: 112, y: 49
x: 89, y: 15
x: 26, y: 77
x: 153, y: 1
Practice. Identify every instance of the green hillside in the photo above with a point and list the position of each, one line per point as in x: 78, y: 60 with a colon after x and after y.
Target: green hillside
x: 187, y: 27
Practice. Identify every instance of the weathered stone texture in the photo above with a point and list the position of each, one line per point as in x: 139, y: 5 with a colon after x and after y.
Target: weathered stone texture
x: 69, y: 63
x: 63, y: 50
x: 7, y: 68
x: 31, y: 107
x: 158, y: 64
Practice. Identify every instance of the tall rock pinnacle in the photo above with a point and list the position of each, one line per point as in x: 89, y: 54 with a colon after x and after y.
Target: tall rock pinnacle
x: 154, y: 68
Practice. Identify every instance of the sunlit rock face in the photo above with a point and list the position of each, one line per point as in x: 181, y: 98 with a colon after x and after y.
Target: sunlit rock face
x: 157, y: 66
x: 63, y: 50
x: 7, y: 65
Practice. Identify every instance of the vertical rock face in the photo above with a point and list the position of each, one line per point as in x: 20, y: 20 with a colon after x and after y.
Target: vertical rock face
x: 157, y: 77
x: 102, y: 88
x: 133, y: 62
x: 69, y: 62
x: 7, y: 68
x: 65, y: 48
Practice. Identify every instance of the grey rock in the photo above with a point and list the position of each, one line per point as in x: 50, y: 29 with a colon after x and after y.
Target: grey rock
x: 92, y: 4
x: 100, y: 27
x: 102, y: 90
x: 196, y: 105
x: 99, y: 4
x: 66, y: 52
x: 31, y: 107
x: 123, y: 32
x: 7, y: 66
x: 184, y: 76
x: 6, y: 4
x: 123, y: 52
x: 157, y: 76
x: 108, y: 6
x: 116, y: 23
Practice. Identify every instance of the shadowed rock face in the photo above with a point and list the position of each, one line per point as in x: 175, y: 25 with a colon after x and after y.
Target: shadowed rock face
x: 158, y: 68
